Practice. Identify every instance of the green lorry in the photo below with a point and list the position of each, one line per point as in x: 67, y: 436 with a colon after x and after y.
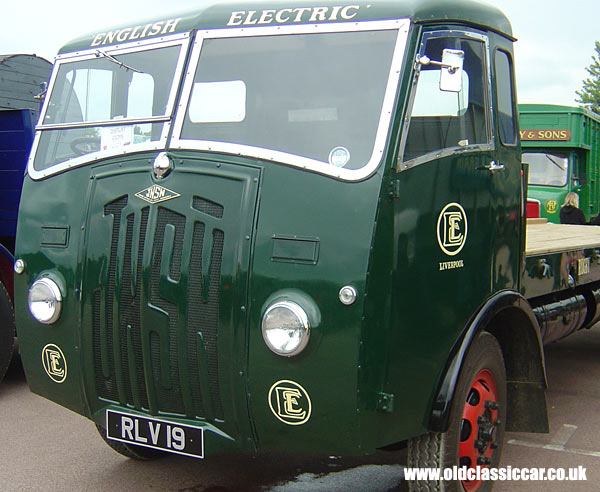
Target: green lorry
x: 561, y: 144
x: 262, y: 227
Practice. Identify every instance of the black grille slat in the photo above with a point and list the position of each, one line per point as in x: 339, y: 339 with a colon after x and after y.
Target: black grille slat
x: 130, y: 304
x: 108, y: 387
x: 204, y: 312
x: 137, y: 335
x: 212, y: 319
x: 170, y: 398
x: 194, y: 319
x: 127, y: 309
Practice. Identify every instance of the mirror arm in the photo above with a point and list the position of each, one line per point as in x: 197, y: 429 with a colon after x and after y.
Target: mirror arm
x: 425, y: 60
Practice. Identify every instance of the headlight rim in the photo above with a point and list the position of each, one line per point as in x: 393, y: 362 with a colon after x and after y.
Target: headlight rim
x: 56, y: 292
x: 302, y: 316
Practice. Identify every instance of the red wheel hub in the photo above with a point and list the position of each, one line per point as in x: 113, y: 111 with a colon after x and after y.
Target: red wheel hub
x: 478, y: 428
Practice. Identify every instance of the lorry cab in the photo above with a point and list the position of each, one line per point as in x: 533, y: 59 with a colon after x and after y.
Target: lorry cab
x: 277, y: 228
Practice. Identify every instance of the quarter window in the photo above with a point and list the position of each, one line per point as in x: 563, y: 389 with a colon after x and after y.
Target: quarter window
x: 506, y: 120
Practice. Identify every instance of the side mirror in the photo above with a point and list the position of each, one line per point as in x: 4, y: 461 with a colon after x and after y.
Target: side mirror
x: 452, y: 68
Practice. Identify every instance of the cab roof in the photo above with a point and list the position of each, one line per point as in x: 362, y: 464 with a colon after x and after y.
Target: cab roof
x: 278, y: 13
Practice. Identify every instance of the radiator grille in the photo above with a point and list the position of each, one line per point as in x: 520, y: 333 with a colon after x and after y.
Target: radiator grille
x: 161, y: 353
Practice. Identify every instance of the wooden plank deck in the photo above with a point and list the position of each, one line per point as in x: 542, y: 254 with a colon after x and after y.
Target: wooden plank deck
x: 555, y: 238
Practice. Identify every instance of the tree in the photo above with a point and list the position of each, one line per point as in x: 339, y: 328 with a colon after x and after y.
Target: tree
x: 589, y: 96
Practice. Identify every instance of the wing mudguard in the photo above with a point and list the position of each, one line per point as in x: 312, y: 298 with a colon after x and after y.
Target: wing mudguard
x: 509, y: 317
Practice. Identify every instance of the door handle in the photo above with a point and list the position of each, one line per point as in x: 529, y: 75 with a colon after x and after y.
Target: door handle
x: 493, y: 168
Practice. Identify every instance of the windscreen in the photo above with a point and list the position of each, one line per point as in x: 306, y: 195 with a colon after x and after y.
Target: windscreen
x: 99, y: 104
x: 547, y: 169
x: 316, y: 96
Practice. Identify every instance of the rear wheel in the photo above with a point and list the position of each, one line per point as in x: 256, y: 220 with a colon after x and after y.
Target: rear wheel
x: 131, y: 450
x: 7, y: 330
x: 476, y: 432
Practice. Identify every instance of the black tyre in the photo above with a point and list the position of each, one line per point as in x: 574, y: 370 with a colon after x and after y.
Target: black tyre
x: 477, y: 416
x: 131, y: 450
x: 7, y: 330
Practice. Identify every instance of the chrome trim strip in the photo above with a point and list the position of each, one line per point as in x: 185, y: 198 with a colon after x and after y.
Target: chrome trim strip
x: 89, y: 124
x: 124, y: 48
x: 94, y: 157
x: 133, y: 47
x: 446, y: 152
x: 248, y: 150
x: 243, y: 32
x: 401, y: 25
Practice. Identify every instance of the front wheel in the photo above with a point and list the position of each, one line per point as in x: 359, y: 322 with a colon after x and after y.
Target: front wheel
x: 476, y: 432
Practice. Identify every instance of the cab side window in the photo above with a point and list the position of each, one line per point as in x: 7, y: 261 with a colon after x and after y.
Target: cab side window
x: 505, y: 97
x: 449, y: 120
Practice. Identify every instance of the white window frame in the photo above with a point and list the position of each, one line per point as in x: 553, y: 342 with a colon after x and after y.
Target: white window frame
x: 117, y: 50
x: 381, y: 139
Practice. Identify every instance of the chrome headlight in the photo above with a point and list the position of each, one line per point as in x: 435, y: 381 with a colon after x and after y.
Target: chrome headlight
x: 45, y: 300
x: 285, y: 328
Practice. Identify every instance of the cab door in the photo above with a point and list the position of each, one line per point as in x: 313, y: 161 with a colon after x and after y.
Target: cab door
x: 449, y: 172
x: 455, y: 221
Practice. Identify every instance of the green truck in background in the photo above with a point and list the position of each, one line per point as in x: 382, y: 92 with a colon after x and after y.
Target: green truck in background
x: 561, y: 144
x: 267, y: 226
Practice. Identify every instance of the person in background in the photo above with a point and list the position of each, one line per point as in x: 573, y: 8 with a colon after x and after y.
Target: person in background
x: 570, y: 212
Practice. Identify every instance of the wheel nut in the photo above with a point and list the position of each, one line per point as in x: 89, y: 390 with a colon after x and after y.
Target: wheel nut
x: 492, y: 405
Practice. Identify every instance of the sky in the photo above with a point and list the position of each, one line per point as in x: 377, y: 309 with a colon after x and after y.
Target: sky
x: 555, y: 37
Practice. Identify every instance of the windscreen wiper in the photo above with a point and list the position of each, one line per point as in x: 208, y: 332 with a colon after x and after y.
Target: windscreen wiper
x: 556, y: 163
x: 114, y: 60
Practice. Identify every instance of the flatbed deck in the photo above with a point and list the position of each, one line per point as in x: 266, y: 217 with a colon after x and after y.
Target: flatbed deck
x: 545, y: 238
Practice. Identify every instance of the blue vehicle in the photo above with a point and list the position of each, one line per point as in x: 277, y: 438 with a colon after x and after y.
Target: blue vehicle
x: 22, y: 85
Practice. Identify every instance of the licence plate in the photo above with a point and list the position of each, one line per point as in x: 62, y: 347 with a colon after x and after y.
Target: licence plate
x: 155, y: 433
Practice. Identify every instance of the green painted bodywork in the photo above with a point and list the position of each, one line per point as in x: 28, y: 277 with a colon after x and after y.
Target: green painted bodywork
x: 371, y: 369
x: 328, y: 367
x: 583, y: 149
